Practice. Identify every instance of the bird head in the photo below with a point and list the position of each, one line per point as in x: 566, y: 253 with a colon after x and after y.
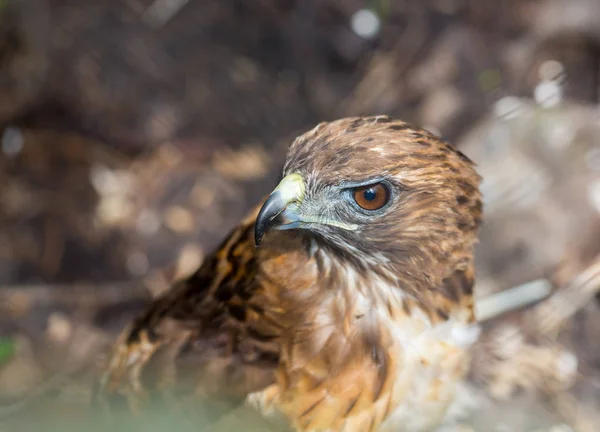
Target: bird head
x: 379, y: 193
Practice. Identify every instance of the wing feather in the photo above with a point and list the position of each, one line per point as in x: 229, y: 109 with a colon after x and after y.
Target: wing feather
x: 208, y: 336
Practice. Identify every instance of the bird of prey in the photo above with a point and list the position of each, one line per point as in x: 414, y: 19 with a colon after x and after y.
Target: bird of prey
x: 343, y: 303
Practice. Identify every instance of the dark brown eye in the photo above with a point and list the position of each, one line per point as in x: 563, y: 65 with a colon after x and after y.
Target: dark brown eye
x: 372, y: 197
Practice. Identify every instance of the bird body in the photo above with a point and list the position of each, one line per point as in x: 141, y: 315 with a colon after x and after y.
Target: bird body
x: 407, y: 387
x: 355, y: 313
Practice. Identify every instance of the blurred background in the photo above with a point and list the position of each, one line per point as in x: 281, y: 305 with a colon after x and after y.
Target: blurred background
x: 134, y: 134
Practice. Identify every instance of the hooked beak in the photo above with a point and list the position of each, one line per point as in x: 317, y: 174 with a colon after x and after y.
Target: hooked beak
x: 280, y: 210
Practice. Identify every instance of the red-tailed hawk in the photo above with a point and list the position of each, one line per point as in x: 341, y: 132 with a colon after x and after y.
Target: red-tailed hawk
x: 355, y: 311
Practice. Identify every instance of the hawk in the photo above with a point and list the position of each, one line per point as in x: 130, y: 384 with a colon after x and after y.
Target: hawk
x: 343, y: 303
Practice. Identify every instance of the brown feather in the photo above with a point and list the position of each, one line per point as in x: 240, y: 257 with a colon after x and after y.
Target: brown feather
x: 204, y: 337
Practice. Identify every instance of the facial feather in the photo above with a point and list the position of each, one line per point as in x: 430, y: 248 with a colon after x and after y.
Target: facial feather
x: 429, y: 229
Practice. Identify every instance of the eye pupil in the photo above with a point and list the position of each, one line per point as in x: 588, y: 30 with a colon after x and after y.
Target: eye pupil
x: 370, y: 194
x: 372, y: 197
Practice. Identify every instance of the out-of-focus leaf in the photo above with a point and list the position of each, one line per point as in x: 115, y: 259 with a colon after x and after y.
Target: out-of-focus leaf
x: 7, y: 346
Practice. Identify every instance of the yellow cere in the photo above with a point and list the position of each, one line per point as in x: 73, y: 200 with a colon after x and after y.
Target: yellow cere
x: 291, y: 188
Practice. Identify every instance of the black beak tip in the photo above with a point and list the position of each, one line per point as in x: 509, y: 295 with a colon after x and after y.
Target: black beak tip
x: 258, y: 235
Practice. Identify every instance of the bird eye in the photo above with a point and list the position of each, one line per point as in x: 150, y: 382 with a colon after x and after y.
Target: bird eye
x: 371, y: 197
